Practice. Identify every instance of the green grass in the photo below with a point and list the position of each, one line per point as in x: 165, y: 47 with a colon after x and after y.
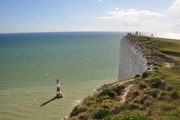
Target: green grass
x: 156, y: 45
x: 132, y: 117
x: 100, y: 114
x: 167, y: 44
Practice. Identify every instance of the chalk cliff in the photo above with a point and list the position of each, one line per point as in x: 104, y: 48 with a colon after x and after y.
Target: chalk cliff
x: 132, y: 61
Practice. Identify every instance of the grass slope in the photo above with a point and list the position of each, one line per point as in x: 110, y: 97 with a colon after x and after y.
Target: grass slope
x: 151, y: 96
x: 154, y: 45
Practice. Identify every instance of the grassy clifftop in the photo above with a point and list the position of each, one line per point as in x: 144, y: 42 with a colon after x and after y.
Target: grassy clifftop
x: 152, y: 46
x: 154, y: 95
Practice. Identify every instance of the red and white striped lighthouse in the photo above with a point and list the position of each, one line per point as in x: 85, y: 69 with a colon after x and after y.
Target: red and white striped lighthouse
x: 58, y: 90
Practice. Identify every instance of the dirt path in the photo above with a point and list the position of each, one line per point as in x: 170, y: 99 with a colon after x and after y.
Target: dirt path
x: 168, y: 65
x: 125, y: 93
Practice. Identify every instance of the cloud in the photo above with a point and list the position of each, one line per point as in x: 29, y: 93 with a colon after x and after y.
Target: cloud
x: 144, y: 20
x: 176, y: 24
x: 174, y: 9
x: 99, y: 0
x: 116, y: 8
x: 132, y: 17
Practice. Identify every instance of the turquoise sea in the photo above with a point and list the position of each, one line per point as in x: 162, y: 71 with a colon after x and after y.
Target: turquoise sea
x: 30, y: 63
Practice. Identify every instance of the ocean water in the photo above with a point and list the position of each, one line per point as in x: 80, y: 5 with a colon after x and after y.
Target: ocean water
x: 30, y: 63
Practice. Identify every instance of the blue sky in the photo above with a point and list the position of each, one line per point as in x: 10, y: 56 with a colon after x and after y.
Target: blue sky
x: 89, y: 15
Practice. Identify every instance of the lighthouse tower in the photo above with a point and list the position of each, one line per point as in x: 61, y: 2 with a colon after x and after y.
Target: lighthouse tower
x: 58, y: 90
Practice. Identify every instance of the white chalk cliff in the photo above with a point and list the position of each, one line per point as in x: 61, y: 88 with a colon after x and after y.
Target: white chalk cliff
x: 131, y: 61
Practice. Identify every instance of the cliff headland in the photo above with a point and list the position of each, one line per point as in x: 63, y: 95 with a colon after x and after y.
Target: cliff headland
x: 148, y: 85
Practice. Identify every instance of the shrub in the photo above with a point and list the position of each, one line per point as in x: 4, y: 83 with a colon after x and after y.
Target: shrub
x: 118, y: 109
x: 142, y: 86
x: 105, y: 92
x: 175, y: 95
x: 132, y: 117
x: 148, y: 102
x: 74, y: 111
x: 108, y: 92
x: 146, y: 74
x: 111, y: 95
x: 100, y: 114
x: 154, y: 93
x: 136, y: 93
x: 143, y: 99
x: 137, y: 75
x: 119, y: 89
x: 133, y: 106
x: 157, y: 83
x: 78, y: 109
x: 169, y: 88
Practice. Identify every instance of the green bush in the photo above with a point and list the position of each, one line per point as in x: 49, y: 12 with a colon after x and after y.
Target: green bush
x: 157, y: 83
x: 118, y: 109
x: 137, y: 75
x: 146, y: 74
x: 175, y: 95
x: 105, y: 92
x: 108, y: 92
x: 133, y: 106
x: 119, y: 89
x: 100, y: 114
x: 132, y: 117
x: 154, y: 93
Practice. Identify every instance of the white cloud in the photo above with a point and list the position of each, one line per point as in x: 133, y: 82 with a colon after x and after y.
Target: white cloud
x: 144, y: 20
x: 116, y: 8
x: 99, y: 0
x: 174, y: 9
x: 177, y: 23
x: 133, y: 17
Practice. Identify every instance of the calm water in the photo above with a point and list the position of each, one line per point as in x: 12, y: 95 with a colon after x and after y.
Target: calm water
x: 30, y: 64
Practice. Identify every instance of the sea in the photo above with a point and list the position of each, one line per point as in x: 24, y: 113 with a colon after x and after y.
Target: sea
x: 30, y: 63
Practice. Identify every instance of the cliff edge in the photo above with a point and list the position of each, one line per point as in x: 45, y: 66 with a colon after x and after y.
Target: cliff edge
x: 148, y: 85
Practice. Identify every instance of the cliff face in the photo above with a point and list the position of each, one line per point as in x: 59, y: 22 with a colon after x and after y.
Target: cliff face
x: 131, y: 59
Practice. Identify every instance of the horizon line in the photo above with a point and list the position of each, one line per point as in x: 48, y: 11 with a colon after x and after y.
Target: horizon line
x: 57, y: 32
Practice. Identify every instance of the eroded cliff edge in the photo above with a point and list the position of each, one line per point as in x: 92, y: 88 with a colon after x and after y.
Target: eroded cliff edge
x: 154, y: 95
x: 141, y: 53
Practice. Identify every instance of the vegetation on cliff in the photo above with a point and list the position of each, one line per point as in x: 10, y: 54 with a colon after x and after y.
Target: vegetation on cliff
x: 154, y: 95
x: 165, y: 49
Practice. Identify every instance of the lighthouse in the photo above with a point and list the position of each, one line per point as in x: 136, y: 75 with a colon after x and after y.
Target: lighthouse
x: 58, y: 89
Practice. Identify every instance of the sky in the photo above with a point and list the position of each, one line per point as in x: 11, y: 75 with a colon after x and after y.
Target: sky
x: 17, y: 16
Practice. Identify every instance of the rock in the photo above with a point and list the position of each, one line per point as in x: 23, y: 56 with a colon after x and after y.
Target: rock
x: 66, y: 118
